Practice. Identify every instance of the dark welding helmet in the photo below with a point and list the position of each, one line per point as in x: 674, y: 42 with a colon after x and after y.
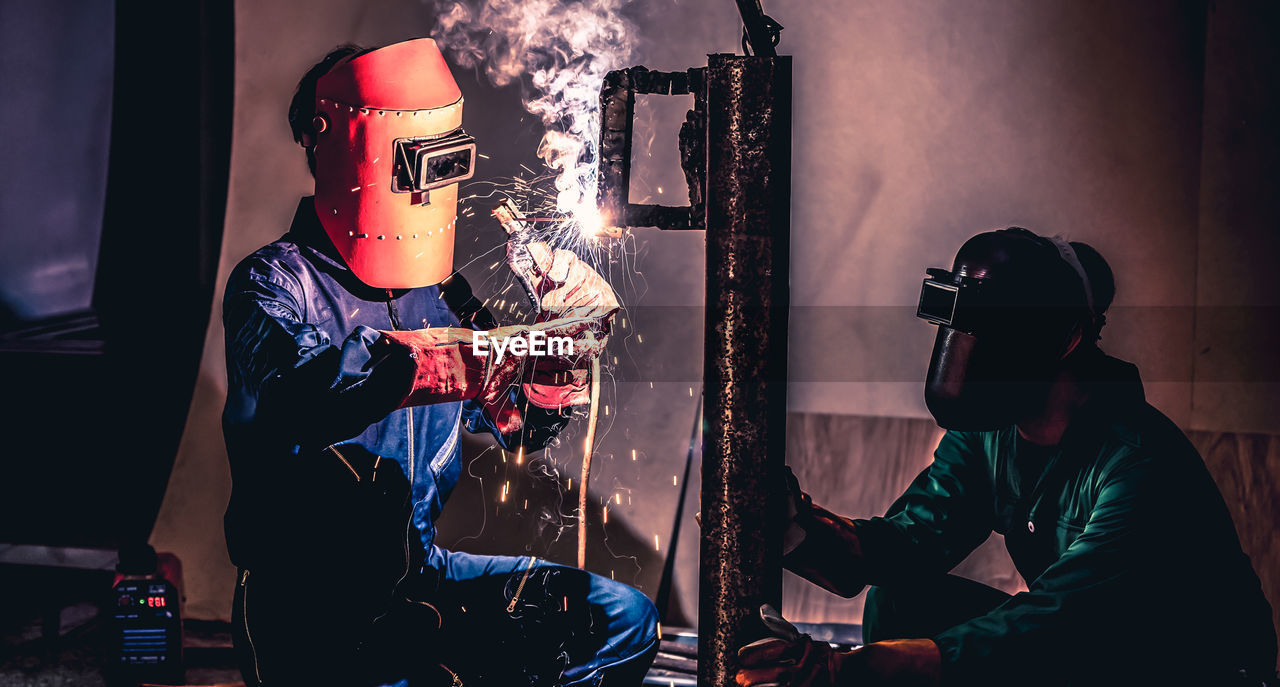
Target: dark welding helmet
x: 1005, y: 312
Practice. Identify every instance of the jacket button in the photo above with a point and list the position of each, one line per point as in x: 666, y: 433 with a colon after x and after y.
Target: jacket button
x: 1031, y: 527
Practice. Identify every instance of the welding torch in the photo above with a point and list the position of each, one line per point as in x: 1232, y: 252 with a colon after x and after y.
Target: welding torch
x: 518, y: 255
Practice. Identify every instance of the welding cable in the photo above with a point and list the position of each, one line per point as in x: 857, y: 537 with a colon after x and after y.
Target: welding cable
x: 592, y: 416
x: 508, y: 215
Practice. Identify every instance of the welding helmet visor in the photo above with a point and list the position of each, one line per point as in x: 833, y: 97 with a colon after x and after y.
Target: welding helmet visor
x: 390, y: 152
x: 952, y: 300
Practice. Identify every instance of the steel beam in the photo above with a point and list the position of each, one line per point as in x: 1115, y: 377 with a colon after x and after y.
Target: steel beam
x: 748, y: 201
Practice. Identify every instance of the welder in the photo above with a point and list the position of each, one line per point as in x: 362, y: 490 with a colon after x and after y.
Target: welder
x: 350, y: 370
x: 1134, y: 570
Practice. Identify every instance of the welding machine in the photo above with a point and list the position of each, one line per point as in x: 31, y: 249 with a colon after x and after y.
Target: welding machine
x: 144, y: 638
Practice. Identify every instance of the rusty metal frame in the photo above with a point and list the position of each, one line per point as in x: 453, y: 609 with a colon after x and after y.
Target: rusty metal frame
x: 736, y: 154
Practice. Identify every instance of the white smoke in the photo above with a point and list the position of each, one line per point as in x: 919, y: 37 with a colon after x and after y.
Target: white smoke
x: 560, y: 51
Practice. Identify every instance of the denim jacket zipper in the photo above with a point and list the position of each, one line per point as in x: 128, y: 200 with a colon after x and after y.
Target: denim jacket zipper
x: 395, y: 325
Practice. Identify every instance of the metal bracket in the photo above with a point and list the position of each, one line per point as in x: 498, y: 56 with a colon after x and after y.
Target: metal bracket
x: 617, y: 114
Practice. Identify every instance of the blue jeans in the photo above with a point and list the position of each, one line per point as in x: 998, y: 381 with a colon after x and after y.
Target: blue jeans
x: 565, y: 627
x: 505, y: 621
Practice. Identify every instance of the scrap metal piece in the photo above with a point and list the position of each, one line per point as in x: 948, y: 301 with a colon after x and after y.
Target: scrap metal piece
x: 617, y: 111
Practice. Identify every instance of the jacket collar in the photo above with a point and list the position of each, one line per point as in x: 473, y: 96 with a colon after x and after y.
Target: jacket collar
x: 1115, y: 390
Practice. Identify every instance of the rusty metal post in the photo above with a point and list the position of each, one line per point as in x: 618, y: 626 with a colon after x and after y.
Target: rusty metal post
x: 748, y: 206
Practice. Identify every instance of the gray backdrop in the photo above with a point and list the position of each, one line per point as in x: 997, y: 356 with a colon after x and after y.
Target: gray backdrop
x: 917, y: 124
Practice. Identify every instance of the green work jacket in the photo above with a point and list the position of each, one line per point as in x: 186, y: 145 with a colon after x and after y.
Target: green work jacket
x: 1134, y: 568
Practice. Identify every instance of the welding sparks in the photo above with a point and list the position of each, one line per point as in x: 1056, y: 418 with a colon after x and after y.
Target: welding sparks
x: 559, y: 52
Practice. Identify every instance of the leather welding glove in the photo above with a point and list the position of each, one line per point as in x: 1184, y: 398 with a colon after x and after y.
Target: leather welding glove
x: 567, y: 286
x: 793, y: 536
x: 448, y: 367
x: 794, y: 533
x: 820, y: 546
x: 792, y: 659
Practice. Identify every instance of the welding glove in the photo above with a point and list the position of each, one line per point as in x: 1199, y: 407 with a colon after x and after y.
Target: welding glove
x: 792, y: 659
x: 794, y: 534
x: 449, y: 367
x: 566, y: 286
x: 820, y: 546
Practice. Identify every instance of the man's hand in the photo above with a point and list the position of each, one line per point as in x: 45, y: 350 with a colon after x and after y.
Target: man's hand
x: 796, y: 660
x: 563, y: 381
x: 775, y: 662
x: 567, y: 286
x: 445, y: 366
x: 568, y: 290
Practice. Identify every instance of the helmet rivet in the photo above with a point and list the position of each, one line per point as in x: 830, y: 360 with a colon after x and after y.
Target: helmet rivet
x: 398, y: 237
x: 334, y: 211
x: 319, y: 124
x: 381, y: 236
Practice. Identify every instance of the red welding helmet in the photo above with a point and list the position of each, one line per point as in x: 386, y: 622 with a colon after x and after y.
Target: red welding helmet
x: 390, y: 152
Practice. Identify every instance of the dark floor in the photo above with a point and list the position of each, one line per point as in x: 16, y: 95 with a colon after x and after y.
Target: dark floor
x: 73, y: 659
x: 53, y: 636
x: 52, y: 633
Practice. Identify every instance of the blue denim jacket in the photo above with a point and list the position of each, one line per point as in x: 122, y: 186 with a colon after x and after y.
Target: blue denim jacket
x: 298, y: 330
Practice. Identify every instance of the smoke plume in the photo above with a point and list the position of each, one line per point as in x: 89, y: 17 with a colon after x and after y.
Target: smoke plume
x: 559, y: 51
